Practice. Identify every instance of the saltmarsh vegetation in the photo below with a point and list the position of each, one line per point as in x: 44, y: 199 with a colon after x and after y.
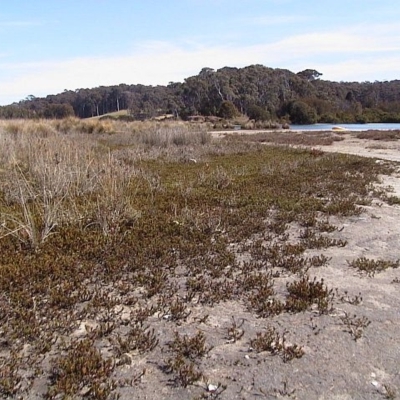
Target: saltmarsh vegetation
x: 109, y: 230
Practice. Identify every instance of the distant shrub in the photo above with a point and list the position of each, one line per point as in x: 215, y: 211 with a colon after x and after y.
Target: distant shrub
x: 301, y: 113
x: 257, y: 113
x: 228, y: 110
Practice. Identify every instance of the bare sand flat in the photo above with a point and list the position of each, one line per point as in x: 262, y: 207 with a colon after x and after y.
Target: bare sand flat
x: 388, y: 150
x: 335, y: 365
x: 350, y: 352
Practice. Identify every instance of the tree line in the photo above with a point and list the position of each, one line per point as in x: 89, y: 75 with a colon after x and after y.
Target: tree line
x: 257, y: 91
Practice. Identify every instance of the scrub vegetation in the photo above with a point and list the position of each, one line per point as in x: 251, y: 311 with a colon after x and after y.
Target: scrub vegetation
x: 119, y: 242
x: 265, y: 96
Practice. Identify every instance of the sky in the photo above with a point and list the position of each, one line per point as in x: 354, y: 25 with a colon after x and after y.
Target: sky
x: 48, y: 46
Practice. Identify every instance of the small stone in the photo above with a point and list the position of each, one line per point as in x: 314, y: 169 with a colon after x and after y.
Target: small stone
x: 85, y: 390
x: 247, y: 357
x: 126, y: 359
x: 27, y: 350
x: 212, y: 388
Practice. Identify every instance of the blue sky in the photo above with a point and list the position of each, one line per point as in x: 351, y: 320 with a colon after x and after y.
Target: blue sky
x: 48, y: 46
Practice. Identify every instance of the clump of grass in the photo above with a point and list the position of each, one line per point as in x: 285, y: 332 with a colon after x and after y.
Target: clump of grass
x: 166, y: 136
x: 192, y: 348
x: 392, y: 200
x: 45, y: 180
x: 186, y: 372
x: 187, y: 353
x: 82, y: 370
x: 313, y: 241
x: 355, y: 325
x: 174, y: 309
x: 303, y: 293
x: 270, y: 341
x: 260, y: 291
x: 379, y: 135
x: 274, y: 343
x: 139, y: 338
x: 234, y: 332
x: 371, y: 267
x: 292, y: 138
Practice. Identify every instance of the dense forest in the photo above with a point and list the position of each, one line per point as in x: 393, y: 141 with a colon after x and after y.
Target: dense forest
x: 257, y: 91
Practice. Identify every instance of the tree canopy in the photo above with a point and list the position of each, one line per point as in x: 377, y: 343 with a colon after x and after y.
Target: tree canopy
x: 309, y: 74
x: 256, y: 91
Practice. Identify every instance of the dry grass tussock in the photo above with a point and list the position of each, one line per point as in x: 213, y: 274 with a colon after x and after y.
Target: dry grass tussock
x: 96, y: 126
x: 47, y: 177
x: 49, y: 166
x: 107, y: 239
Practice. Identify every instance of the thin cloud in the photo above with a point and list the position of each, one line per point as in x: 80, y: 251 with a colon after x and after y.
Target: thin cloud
x: 341, y: 41
x: 369, y: 69
x: 158, y: 62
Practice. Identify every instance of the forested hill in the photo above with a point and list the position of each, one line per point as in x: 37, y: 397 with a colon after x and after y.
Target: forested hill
x: 257, y: 91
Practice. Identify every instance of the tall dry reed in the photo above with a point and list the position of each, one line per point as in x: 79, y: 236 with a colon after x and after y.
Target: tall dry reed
x: 47, y: 176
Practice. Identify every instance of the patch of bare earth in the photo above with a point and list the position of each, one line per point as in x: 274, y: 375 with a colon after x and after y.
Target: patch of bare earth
x: 385, y: 150
x: 337, y: 364
x: 352, y: 352
x: 346, y: 348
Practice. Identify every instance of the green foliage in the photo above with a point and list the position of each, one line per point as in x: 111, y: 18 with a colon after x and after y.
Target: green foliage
x: 228, y: 110
x: 257, y: 113
x: 301, y: 113
x: 58, y: 111
x: 329, y: 118
x: 309, y: 74
x: 204, y: 94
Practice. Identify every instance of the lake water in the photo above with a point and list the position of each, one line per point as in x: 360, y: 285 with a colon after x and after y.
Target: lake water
x: 350, y: 127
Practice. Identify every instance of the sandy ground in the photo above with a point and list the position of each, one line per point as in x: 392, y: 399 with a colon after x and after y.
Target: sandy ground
x: 335, y: 366
x: 375, y: 234
x: 389, y: 150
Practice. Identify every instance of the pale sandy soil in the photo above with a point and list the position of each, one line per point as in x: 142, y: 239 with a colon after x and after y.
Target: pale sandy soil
x: 389, y: 150
x: 334, y: 366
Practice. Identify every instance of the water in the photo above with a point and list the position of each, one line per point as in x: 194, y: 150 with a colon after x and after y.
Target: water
x: 350, y: 127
